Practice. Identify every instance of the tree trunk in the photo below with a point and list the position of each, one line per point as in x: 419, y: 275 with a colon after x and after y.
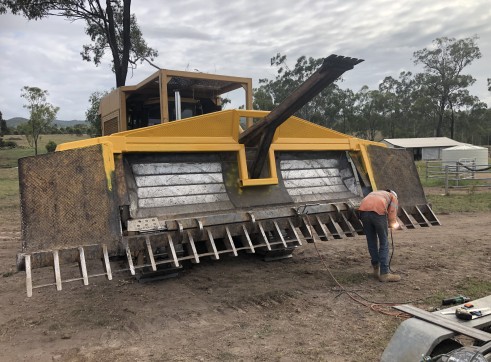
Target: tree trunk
x: 439, y: 126
x: 452, y: 121
x: 113, y: 44
x: 125, y: 57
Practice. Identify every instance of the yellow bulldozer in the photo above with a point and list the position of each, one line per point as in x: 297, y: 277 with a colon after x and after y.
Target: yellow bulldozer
x: 174, y: 179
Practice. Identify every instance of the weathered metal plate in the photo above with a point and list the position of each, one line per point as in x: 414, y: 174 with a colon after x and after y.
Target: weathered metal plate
x: 318, y: 176
x: 167, y: 185
x: 65, y: 201
x: 148, y: 224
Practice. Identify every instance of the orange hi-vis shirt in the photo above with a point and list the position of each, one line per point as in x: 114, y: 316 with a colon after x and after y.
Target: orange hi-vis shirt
x: 381, y: 202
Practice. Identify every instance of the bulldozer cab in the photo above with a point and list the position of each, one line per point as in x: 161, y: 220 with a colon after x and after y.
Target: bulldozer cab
x: 168, y: 95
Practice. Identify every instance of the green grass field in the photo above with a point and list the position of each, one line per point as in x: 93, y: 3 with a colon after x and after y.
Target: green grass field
x: 8, y: 158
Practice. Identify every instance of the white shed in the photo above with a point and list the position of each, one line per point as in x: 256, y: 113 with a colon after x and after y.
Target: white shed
x: 426, y: 148
x: 465, y: 152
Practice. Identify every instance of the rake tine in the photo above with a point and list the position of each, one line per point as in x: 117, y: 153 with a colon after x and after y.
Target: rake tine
x: 246, y: 234
x: 56, y: 264
x: 193, y: 247
x: 231, y: 241
x: 323, y: 227
x: 212, y: 243
x: 150, y: 253
x: 294, y: 232
x: 107, y: 266
x: 279, y: 233
x: 83, y: 266
x: 264, y: 235
x: 28, y: 275
x: 173, y: 250
x: 130, y: 260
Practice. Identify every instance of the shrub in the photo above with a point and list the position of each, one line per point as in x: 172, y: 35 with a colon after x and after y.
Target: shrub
x: 51, y: 146
x: 7, y: 144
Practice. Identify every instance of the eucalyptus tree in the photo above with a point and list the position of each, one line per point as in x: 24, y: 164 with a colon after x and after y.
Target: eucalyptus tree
x: 41, y: 114
x: 443, y: 78
x: 92, y: 115
x: 370, y: 113
x: 397, y: 97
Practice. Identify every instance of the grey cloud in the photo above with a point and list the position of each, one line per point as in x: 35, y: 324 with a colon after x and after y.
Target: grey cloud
x: 239, y: 38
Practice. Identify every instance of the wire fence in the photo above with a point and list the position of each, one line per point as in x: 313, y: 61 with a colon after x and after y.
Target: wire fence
x: 463, y: 174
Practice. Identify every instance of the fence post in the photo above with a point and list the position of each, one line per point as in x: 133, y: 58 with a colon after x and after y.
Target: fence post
x: 426, y: 171
x: 446, y: 180
x: 458, y: 173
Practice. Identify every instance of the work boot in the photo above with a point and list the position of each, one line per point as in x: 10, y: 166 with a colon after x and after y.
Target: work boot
x: 389, y: 277
x: 376, y: 271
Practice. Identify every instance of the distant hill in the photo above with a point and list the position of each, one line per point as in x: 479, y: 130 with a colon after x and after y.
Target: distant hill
x: 14, y: 122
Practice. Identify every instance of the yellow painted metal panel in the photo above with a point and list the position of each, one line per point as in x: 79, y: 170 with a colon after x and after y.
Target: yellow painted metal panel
x: 296, y: 127
x: 310, y: 147
x: 218, y: 124
x: 219, y: 132
x: 181, y: 148
x: 368, y: 165
x: 109, y: 166
x: 181, y: 140
x: 259, y: 182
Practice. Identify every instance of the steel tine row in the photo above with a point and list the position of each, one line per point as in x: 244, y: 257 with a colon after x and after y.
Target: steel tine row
x: 58, y: 280
x: 285, y: 234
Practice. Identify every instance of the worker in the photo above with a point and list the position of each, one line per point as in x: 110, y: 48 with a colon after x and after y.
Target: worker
x: 378, y: 212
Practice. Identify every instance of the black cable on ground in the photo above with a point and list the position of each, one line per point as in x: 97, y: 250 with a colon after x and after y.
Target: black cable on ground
x: 380, y: 307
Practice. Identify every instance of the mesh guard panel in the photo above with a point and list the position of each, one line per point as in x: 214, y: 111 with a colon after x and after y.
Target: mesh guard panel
x: 394, y: 169
x: 65, y: 201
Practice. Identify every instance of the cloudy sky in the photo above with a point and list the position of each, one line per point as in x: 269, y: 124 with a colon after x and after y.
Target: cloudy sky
x: 238, y: 38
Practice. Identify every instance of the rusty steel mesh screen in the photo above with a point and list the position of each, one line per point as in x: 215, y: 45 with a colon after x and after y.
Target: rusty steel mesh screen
x: 395, y: 169
x: 65, y: 201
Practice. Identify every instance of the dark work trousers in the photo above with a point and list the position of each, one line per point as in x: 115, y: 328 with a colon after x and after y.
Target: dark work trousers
x: 375, y: 227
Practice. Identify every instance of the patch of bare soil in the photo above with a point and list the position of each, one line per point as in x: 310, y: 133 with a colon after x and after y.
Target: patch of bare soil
x: 240, y: 309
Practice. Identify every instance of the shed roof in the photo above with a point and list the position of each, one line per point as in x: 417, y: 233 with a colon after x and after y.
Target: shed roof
x: 421, y: 142
x: 466, y: 146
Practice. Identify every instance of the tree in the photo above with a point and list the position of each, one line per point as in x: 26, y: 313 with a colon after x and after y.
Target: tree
x: 92, y: 113
x: 42, y: 114
x: 443, y: 79
x: 112, y: 27
x: 322, y: 109
x: 369, y: 108
x: 3, y: 126
x: 397, y: 100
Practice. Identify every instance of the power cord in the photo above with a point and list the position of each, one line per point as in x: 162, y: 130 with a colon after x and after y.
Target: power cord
x: 380, y: 307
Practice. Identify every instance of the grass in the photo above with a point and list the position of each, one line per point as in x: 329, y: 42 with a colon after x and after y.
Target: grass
x: 9, y: 179
x: 470, y: 202
x: 8, y: 158
x: 9, y: 188
x: 469, y: 287
x: 350, y: 279
x: 475, y: 288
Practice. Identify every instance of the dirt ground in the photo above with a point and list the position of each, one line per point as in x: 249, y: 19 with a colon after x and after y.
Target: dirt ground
x: 241, y: 309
